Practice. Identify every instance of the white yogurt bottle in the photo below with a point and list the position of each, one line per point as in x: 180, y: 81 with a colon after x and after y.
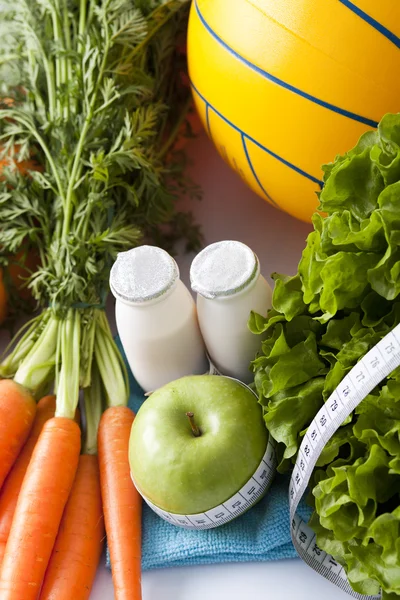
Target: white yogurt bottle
x: 226, y: 276
x: 156, y: 318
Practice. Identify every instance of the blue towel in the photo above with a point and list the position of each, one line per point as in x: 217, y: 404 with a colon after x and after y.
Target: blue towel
x: 261, y: 534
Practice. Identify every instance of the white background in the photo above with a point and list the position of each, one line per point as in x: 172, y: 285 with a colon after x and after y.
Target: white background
x: 229, y: 210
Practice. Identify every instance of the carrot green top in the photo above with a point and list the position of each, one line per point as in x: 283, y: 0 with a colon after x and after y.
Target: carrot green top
x: 94, y: 94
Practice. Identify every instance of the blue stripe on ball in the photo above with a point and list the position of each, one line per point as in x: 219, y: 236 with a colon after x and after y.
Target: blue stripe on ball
x: 254, y: 171
x: 280, y: 82
x: 375, y: 24
x: 251, y: 139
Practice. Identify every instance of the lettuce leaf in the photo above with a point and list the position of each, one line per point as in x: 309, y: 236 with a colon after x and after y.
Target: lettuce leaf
x: 344, y: 298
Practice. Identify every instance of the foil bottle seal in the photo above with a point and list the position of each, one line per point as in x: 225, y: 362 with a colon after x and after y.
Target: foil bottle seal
x: 143, y: 274
x: 223, y: 269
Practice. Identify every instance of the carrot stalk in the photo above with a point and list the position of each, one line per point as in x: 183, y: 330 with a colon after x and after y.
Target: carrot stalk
x: 37, y: 367
x: 44, y: 494
x: 122, y: 503
x: 22, y: 344
x: 17, y: 413
x: 77, y: 551
x: 12, y: 485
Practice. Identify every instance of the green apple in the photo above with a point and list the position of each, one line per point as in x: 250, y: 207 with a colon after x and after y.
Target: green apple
x: 195, y: 442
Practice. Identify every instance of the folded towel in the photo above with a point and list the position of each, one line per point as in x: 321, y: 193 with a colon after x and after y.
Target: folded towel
x: 261, y: 534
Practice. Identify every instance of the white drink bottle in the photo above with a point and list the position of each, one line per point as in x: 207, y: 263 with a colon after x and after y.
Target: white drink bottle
x: 156, y: 318
x: 226, y: 276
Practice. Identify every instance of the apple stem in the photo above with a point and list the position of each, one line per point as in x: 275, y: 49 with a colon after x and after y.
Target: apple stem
x: 195, y: 429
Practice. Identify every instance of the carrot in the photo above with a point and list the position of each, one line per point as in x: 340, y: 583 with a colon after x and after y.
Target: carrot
x: 121, y: 502
x: 12, y: 485
x: 44, y: 494
x: 9, y: 495
x: 77, y: 551
x: 2, y: 550
x: 79, y: 544
x: 17, y: 412
x: 52, y: 468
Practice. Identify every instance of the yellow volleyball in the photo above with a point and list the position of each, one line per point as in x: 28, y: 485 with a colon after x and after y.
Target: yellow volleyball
x: 282, y: 86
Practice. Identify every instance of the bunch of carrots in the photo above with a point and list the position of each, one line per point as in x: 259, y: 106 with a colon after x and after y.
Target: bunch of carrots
x: 94, y: 95
x: 53, y: 496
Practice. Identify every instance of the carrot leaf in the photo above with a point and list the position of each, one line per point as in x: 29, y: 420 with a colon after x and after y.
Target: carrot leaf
x: 93, y: 94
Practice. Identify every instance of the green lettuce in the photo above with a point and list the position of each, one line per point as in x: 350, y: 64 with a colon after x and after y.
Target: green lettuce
x: 341, y: 302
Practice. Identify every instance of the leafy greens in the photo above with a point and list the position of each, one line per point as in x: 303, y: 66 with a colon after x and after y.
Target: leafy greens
x: 342, y: 301
x: 93, y: 93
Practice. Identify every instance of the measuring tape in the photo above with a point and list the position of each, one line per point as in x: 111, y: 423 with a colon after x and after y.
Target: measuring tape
x: 377, y: 364
x: 244, y: 499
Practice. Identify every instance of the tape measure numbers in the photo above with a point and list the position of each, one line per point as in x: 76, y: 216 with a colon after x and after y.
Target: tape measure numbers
x: 246, y: 497
x: 375, y: 366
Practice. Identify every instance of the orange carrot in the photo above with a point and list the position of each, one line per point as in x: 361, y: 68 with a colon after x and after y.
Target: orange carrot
x: 17, y: 412
x: 44, y: 494
x: 76, y: 554
x: 9, y: 494
x: 2, y: 550
x: 122, y: 503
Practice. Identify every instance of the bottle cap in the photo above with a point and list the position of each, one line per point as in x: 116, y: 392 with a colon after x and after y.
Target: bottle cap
x: 143, y: 274
x: 223, y: 269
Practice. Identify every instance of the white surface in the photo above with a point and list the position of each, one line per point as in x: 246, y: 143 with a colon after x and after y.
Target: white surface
x: 230, y: 211
x: 281, y: 580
